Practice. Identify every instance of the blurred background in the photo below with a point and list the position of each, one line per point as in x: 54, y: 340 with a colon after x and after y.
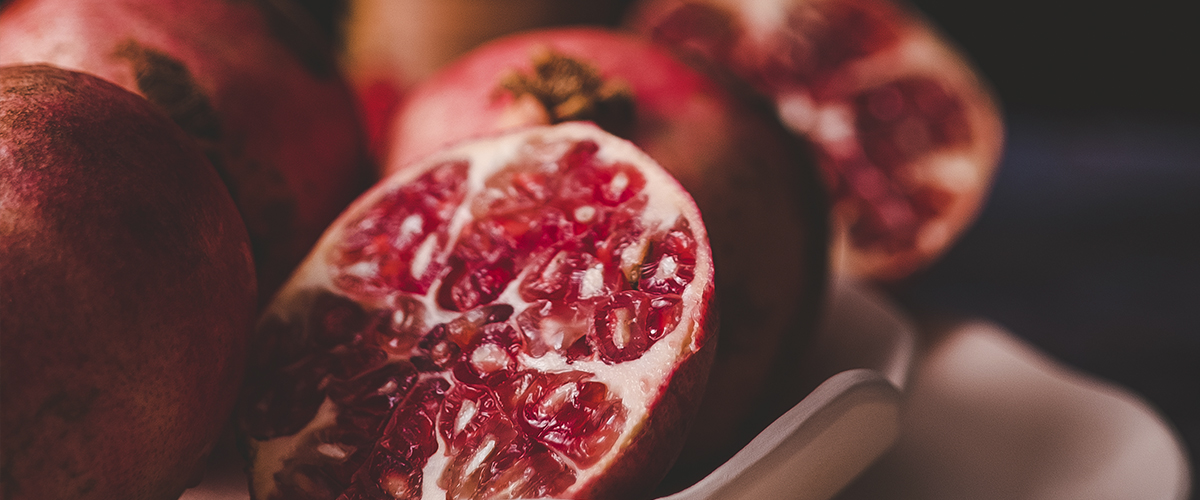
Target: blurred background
x: 1089, y: 247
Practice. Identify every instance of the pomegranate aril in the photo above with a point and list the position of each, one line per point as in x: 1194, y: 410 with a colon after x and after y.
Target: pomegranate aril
x: 439, y: 353
x: 480, y: 450
x: 464, y: 410
x: 535, y: 473
x: 464, y: 329
x: 398, y: 329
x: 619, y: 183
x: 842, y: 31
x: 342, y: 451
x: 389, y: 382
x: 576, y: 418
x: 929, y: 201
x: 409, y: 436
x: 441, y: 190
x: 519, y: 188
x: 544, y: 228
x: 665, y: 313
x: 670, y: 263
x: 905, y: 119
x: 567, y: 275
x: 335, y: 319
x: 283, y: 404
x: 491, y: 359
x: 351, y: 361
x: 587, y: 181
x: 553, y: 326
x: 622, y: 330
x: 582, y: 154
x: 391, y: 246
x: 623, y: 250
x: 481, y: 266
x: 387, y: 475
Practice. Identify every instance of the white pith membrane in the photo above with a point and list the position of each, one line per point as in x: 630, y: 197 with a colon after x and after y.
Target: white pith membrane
x: 636, y: 383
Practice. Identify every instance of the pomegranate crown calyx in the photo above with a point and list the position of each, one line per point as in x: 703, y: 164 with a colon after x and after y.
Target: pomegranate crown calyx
x: 568, y: 89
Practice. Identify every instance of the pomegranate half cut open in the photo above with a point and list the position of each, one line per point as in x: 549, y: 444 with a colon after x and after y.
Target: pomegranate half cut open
x: 519, y: 316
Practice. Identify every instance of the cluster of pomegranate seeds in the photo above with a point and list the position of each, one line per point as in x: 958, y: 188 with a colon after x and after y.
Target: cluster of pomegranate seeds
x: 905, y: 133
x: 466, y: 297
x: 896, y: 124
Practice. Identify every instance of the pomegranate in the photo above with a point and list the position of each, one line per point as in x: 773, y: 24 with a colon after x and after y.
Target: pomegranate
x: 758, y: 192
x: 128, y: 290
x: 267, y: 107
x: 519, y: 316
x: 907, y: 133
x: 386, y: 47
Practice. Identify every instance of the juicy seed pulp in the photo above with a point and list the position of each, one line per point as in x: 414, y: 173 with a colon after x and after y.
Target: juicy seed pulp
x: 557, y: 262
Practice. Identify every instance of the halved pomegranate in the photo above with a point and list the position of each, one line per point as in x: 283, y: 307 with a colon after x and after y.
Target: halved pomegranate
x: 758, y: 190
x: 260, y: 98
x: 907, y: 133
x: 520, y: 316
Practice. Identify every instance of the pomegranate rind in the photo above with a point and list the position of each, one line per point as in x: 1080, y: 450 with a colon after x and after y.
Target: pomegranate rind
x: 748, y: 42
x: 660, y: 390
x: 756, y: 184
x: 129, y: 294
x: 262, y: 99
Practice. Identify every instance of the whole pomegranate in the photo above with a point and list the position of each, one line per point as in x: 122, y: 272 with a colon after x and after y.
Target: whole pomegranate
x: 263, y: 101
x: 520, y: 316
x: 757, y: 189
x: 907, y: 133
x: 128, y: 293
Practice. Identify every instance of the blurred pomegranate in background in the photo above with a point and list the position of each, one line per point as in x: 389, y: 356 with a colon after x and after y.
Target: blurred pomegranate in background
x: 385, y: 47
x: 756, y: 188
x: 907, y: 133
x: 128, y: 293
x: 261, y: 97
x: 522, y: 316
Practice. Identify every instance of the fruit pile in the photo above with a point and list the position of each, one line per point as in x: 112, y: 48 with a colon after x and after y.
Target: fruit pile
x: 458, y: 252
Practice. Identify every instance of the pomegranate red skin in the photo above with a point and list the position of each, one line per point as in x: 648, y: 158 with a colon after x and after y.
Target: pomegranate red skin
x: 261, y: 96
x: 762, y: 204
x: 825, y: 64
x: 129, y: 293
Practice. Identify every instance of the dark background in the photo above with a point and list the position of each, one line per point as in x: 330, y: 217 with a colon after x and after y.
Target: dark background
x: 1089, y: 247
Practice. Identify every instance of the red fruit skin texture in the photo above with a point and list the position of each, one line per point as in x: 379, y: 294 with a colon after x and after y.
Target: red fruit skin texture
x: 756, y: 187
x: 907, y: 132
x: 128, y: 293
x: 260, y: 95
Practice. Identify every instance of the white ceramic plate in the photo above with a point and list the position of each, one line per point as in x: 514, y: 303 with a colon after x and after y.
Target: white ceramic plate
x: 987, y: 416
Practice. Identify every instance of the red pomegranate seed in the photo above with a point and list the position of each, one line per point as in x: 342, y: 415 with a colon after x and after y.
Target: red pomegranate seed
x: 399, y: 326
x: 391, y: 246
x: 553, y: 326
x: 669, y: 264
x: 664, y: 316
x: 618, y: 333
x: 283, y: 404
x: 335, y: 319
